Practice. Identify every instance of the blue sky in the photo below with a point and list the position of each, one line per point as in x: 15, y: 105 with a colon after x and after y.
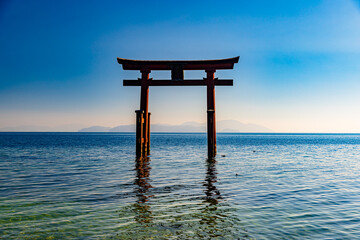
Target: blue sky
x: 299, y: 67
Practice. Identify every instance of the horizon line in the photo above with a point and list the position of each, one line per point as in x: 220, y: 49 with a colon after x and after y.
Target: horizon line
x: 267, y: 133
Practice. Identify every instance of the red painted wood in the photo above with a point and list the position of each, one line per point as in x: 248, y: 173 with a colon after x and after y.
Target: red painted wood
x: 129, y: 64
x: 139, y: 132
x: 150, y: 82
x: 148, y: 134
x: 211, y: 123
x: 210, y: 66
x: 144, y: 106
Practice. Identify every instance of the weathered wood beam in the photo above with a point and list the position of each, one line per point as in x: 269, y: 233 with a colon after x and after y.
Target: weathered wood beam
x: 191, y: 82
x: 129, y: 64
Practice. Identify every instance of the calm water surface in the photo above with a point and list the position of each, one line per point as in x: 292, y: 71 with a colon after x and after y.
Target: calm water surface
x: 260, y: 186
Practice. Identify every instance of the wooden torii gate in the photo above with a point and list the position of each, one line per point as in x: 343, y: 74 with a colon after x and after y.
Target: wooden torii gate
x: 177, y: 79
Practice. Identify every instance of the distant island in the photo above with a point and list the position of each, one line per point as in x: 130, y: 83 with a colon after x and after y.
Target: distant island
x: 222, y: 126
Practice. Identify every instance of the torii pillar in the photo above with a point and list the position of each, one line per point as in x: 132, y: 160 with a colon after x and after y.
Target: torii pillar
x: 144, y: 107
x: 211, y: 122
x: 177, y: 79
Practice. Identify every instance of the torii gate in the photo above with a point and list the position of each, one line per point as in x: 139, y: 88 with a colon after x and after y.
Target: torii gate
x: 177, y: 79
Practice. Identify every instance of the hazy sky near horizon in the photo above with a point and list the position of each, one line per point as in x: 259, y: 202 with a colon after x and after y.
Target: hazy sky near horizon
x: 299, y: 68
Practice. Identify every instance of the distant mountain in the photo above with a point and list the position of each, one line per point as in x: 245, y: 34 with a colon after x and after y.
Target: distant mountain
x: 185, y: 127
x: 95, y: 129
x: 123, y: 128
x: 236, y: 126
x: 34, y: 128
x: 222, y: 126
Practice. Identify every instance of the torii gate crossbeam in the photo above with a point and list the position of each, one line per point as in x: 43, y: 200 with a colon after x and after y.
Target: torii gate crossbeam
x: 177, y: 79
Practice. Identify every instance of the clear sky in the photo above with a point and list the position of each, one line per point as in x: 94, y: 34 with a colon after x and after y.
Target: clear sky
x: 299, y: 68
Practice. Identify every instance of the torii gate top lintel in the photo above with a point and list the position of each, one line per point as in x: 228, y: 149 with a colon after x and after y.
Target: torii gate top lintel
x: 129, y: 64
x: 177, y: 79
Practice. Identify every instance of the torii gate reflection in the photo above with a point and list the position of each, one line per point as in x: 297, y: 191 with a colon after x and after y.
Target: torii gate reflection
x: 144, y: 193
x: 177, y: 79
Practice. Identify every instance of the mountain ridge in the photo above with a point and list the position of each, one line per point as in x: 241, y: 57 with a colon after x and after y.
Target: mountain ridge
x: 222, y: 126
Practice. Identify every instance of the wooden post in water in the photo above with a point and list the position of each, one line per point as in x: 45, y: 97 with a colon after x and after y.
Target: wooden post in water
x: 211, y: 122
x: 148, y: 134
x: 139, y: 132
x: 144, y: 106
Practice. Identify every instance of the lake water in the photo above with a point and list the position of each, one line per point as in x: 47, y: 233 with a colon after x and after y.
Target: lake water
x: 260, y: 186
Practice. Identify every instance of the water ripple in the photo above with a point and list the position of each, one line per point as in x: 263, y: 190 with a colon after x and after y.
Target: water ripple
x: 90, y: 186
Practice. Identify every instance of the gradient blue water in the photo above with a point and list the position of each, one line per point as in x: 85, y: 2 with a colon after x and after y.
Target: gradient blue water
x: 260, y: 186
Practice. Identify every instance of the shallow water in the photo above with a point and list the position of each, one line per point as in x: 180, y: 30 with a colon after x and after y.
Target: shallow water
x: 267, y: 186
